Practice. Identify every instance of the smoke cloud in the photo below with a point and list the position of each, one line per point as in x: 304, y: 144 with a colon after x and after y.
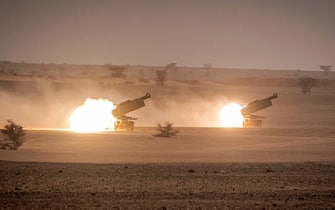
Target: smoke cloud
x: 49, y: 104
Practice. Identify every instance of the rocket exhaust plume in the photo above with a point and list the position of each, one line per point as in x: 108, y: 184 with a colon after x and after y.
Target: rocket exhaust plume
x: 93, y: 115
x: 230, y: 116
x: 233, y: 115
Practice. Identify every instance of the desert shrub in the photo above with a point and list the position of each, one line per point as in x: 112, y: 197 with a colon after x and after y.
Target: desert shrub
x: 326, y: 69
x: 167, y: 130
x: 117, y: 71
x: 160, y: 77
x: 306, y: 84
x: 14, y: 136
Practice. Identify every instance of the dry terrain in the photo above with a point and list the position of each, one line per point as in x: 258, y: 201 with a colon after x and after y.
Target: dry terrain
x: 287, y: 164
x: 191, y: 145
x: 300, y: 185
x: 202, y: 168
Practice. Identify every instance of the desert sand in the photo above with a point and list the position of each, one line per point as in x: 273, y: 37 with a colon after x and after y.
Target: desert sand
x: 191, y: 145
x: 201, y: 168
x: 307, y: 185
x: 287, y: 164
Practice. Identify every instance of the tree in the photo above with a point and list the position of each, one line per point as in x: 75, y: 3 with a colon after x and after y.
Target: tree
x: 326, y: 69
x: 160, y: 77
x: 172, y: 68
x: 117, y: 71
x: 167, y: 130
x: 306, y: 84
x: 14, y: 135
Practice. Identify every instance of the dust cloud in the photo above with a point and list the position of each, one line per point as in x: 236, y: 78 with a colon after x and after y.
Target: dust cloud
x: 183, y: 107
x: 35, y: 104
x: 48, y: 104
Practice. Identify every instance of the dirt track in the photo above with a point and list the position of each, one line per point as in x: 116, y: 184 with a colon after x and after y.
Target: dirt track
x: 167, y: 186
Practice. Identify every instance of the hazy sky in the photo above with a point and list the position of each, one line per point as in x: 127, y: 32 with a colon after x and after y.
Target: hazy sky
x: 276, y: 34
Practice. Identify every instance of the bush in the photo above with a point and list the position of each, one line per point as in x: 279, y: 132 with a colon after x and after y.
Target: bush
x: 160, y: 77
x: 306, y: 84
x: 166, y: 131
x: 14, y: 136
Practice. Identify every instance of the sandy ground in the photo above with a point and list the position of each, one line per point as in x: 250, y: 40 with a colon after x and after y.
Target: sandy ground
x: 191, y: 145
x: 201, y: 168
x: 309, y: 185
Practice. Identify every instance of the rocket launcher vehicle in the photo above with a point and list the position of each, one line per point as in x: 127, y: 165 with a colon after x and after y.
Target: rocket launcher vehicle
x: 124, y: 122
x: 251, y: 120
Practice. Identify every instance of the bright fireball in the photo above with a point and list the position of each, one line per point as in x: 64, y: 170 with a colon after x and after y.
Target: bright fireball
x: 230, y: 116
x: 93, y: 115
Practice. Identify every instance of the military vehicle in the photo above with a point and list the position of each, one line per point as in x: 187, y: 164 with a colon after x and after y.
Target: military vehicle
x: 124, y: 122
x: 255, y: 121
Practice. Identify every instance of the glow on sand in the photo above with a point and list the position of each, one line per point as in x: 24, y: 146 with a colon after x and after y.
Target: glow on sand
x: 93, y: 115
x: 230, y: 116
